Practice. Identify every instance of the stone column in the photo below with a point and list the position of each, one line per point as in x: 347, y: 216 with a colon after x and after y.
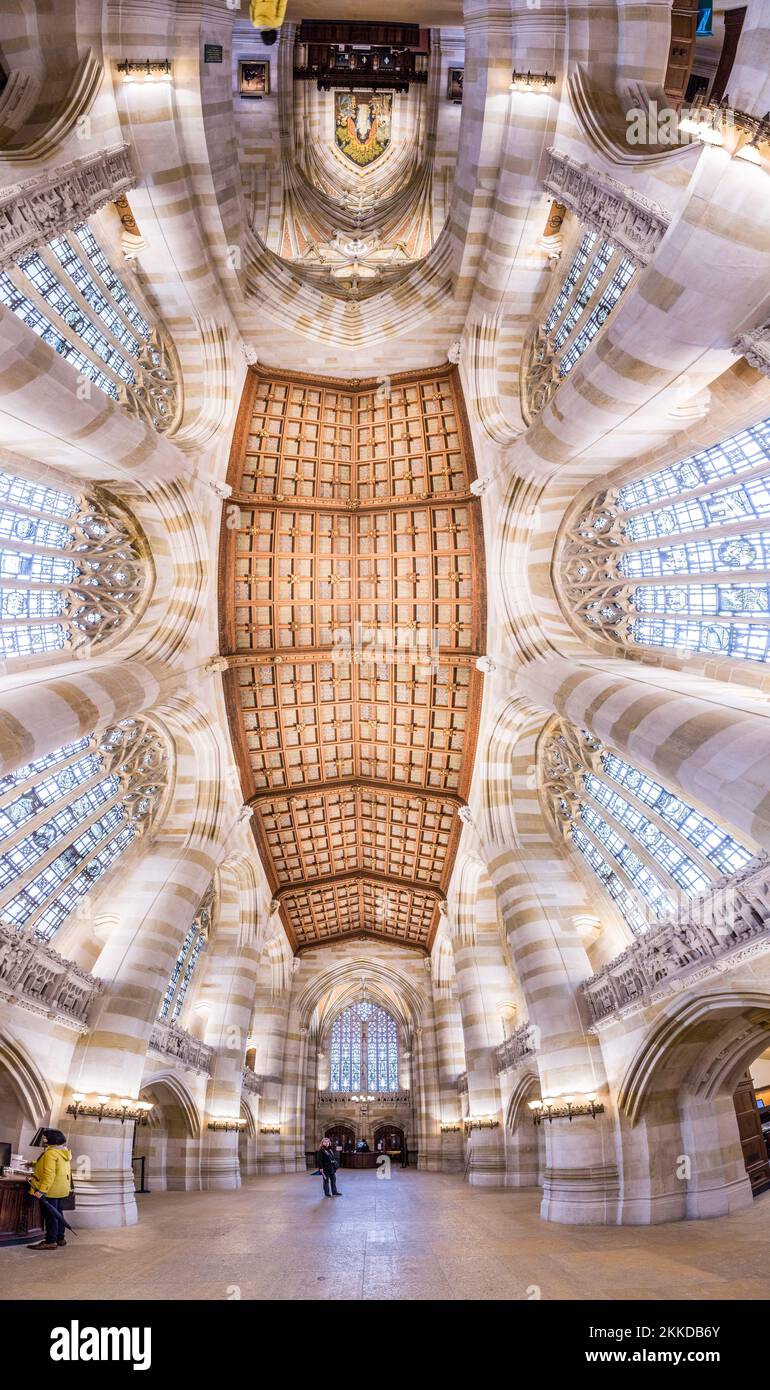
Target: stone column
x: 226, y: 997
x: 151, y: 914
x: 537, y: 898
x: 481, y: 973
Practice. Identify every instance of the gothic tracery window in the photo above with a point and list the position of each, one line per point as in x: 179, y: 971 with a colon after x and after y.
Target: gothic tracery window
x: 646, y: 845
x: 66, y: 818
x: 364, y: 1049
x: 679, y: 558
x: 69, y: 295
x: 70, y: 568
x: 597, y: 277
x: 191, y: 950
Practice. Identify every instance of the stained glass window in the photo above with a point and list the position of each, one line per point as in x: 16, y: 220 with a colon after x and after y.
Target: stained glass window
x: 69, y: 295
x: 647, y: 846
x: 68, y: 569
x: 67, y: 817
x: 680, y: 558
x: 364, y: 1049
x: 192, y: 947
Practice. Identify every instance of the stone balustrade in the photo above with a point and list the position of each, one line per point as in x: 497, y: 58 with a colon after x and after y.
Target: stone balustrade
x: 173, y: 1041
x: 371, y: 1097
x: 252, y: 1083
x: 37, y: 978
x: 723, y: 927
x: 515, y: 1049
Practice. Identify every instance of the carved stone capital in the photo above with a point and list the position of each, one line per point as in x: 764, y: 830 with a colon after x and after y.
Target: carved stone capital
x: 755, y: 347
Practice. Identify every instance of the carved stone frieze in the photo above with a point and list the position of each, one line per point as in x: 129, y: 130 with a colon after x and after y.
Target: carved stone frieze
x: 39, y: 208
x: 630, y: 221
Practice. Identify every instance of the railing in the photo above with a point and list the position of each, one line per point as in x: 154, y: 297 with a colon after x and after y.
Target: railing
x: 251, y: 1082
x: 174, y: 1042
x: 371, y: 1098
x: 37, y: 978
x: 733, y: 918
x: 515, y: 1049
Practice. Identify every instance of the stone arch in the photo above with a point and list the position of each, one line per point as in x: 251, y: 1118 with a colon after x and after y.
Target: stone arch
x: 525, y: 1153
x: 247, y: 1143
x: 170, y: 1142
x: 681, y: 1151
x: 26, y: 1082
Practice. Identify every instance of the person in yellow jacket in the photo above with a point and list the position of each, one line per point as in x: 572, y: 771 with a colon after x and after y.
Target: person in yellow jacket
x: 52, y: 1179
x: 267, y: 14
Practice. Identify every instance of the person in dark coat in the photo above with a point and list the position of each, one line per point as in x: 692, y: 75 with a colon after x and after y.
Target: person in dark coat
x: 327, y: 1162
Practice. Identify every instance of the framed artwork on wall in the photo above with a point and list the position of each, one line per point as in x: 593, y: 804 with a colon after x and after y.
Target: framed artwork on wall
x: 455, y: 84
x: 253, y: 77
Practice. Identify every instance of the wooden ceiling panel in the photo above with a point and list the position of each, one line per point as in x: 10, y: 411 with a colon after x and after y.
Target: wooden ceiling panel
x: 352, y: 613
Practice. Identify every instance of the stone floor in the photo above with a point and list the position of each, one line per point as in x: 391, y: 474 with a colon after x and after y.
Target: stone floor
x: 419, y: 1236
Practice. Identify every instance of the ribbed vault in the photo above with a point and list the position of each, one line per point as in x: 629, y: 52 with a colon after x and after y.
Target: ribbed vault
x: 352, y: 613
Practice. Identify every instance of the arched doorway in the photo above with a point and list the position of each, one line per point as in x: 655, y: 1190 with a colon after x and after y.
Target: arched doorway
x: 343, y: 1138
x: 247, y: 1144
x: 691, y: 1144
x: 525, y: 1157
x: 169, y: 1143
x: 389, y: 1139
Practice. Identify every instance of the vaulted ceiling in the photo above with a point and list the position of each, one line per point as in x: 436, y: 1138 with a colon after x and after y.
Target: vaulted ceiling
x: 352, y: 612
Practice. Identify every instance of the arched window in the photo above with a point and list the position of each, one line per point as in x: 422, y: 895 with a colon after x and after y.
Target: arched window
x: 70, y: 568
x: 595, y: 281
x: 645, y: 844
x: 192, y: 948
x: 68, y: 293
x: 679, y: 559
x: 66, y: 818
x: 364, y: 1050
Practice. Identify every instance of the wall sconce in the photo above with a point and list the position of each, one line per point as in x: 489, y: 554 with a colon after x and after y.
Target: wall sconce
x: 270, y: 1129
x: 550, y: 1108
x: 750, y: 152
x: 483, y: 1122
x: 450, y: 1129
x: 532, y: 81
x: 229, y: 1123
x: 711, y: 122
x: 110, y: 1107
x: 151, y: 70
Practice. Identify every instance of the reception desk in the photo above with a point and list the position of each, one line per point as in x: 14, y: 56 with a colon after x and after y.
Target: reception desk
x: 20, y: 1214
x: 359, y: 1160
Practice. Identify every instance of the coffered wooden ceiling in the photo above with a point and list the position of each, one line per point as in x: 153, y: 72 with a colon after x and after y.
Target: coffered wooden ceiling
x: 352, y: 612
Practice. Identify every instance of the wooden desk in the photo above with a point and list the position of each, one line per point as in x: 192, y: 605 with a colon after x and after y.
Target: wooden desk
x: 20, y: 1215
x: 360, y: 1160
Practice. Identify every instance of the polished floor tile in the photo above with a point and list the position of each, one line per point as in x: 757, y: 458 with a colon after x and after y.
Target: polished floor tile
x: 420, y: 1236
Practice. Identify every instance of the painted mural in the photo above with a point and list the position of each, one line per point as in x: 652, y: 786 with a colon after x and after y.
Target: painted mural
x: 362, y: 125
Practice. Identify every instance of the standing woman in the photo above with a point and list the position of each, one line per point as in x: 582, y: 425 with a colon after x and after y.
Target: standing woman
x: 327, y: 1162
x: 52, y: 1179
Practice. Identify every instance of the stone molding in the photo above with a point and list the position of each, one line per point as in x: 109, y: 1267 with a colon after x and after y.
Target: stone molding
x: 516, y: 1049
x: 755, y: 347
x: 373, y: 1097
x: 35, y: 977
x: 36, y: 209
x: 252, y: 1083
x: 633, y: 223
x: 720, y: 929
x: 175, y: 1042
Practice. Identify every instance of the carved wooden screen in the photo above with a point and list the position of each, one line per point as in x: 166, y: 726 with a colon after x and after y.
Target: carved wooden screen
x: 352, y: 613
